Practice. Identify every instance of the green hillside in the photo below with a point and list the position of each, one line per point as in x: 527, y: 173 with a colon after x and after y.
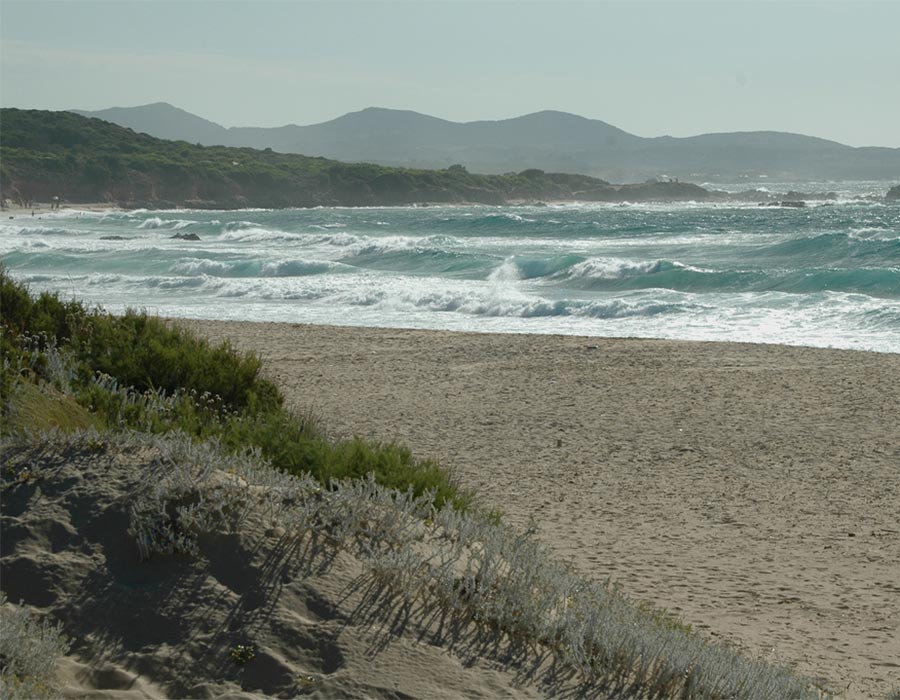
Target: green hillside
x: 60, y: 154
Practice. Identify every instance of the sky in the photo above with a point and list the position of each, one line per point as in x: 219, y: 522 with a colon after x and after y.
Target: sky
x: 829, y: 68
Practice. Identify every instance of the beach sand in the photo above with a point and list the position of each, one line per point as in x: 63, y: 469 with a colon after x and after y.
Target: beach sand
x: 752, y: 489
x: 13, y: 210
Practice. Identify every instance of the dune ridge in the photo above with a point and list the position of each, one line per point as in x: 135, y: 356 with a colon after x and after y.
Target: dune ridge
x: 247, y: 581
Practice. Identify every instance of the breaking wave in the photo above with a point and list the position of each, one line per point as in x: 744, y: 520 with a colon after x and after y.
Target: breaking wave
x: 821, y: 275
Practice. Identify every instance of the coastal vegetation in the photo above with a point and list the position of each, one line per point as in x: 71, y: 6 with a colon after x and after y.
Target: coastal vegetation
x: 62, y: 156
x: 227, y: 453
x: 462, y: 576
x: 47, y: 154
x: 137, y: 372
x: 29, y: 650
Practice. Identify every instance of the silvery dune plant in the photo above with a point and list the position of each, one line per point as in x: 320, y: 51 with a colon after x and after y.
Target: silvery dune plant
x: 29, y: 649
x: 500, y: 579
x: 474, y: 568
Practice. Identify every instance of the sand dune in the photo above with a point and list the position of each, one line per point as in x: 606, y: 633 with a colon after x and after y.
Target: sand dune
x: 166, y: 627
x: 750, y: 488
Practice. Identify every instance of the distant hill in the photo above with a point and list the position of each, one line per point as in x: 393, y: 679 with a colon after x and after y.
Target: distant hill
x: 552, y: 141
x: 164, y: 121
x: 79, y: 159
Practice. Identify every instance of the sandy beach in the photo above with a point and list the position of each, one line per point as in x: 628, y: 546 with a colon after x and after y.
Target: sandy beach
x: 37, y: 210
x: 751, y: 489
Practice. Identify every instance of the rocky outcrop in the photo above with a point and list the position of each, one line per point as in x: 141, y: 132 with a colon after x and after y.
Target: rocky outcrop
x: 790, y: 204
x: 893, y: 194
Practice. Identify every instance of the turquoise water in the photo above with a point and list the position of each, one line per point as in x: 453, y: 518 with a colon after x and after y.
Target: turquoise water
x: 820, y: 276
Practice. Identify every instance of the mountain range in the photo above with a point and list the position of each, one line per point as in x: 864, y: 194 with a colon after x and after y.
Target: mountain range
x: 548, y: 140
x: 51, y: 156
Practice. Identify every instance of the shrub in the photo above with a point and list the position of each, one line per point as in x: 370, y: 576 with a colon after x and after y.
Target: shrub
x: 291, y: 443
x: 137, y: 372
x: 243, y: 653
x: 138, y: 350
x: 29, y: 650
x: 147, y: 354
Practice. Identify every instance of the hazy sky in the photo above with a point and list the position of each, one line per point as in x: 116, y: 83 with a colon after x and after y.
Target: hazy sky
x: 829, y: 69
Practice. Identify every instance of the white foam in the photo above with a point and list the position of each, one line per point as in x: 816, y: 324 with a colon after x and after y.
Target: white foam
x: 619, y: 268
x: 505, y: 273
x: 197, y: 266
x: 875, y: 233
x: 255, y: 234
x: 152, y: 222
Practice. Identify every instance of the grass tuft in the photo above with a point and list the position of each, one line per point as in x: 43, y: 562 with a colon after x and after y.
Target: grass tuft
x: 41, y: 406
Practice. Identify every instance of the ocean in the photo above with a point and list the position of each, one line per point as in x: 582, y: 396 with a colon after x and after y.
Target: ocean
x: 826, y: 275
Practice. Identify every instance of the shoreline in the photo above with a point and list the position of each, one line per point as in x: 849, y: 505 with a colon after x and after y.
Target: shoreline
x: 748, y: 198
x: 747, y: 488
x: 529, y: 333
x: 41, y: 208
